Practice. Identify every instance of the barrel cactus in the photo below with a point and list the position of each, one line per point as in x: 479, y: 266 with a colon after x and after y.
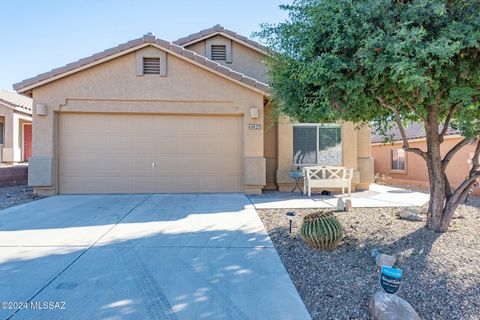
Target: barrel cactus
x: 321, y: 230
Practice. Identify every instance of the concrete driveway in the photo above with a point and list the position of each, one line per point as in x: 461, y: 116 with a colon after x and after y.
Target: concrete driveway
x: 181, y: 256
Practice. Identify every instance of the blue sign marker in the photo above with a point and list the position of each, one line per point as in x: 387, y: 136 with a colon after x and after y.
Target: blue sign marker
x: 390, y: 279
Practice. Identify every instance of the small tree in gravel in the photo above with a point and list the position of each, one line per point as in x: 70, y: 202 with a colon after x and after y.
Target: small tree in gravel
x: 386, y: 62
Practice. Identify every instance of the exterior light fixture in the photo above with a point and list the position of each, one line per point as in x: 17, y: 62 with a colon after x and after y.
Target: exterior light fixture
x: 42, y: 109
x: 254, y: 114
x: 290, y: 215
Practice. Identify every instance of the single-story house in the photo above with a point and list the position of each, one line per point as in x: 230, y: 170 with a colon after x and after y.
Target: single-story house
x: 15, y: 127
x: 189, y: 116
x: 397, y: 166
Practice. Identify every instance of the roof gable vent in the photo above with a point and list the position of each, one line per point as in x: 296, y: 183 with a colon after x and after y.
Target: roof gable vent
x: 219, y: 52
x: 151, y: 65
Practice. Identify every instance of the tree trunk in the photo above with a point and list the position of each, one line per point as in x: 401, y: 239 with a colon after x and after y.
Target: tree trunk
x: 440, y: 209
x: 437, y: 202
x: 443, y: 200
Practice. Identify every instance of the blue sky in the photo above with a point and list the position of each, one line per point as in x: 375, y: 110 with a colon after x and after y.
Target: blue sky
x: 38, y: 36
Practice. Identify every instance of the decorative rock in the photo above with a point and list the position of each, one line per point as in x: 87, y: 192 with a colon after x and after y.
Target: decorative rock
x: 340, y: 205
x: 405, y: 213
x: 457, y: 215
x: 384, y: 306
x: 415, y: 217
x: 409, y: 214
x: 348, y: 205
x: 423, y: 209
x: 382, y: 259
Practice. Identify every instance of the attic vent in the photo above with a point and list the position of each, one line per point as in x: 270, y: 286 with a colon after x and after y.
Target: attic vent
x: 151, y: 65
x: 219, y: 52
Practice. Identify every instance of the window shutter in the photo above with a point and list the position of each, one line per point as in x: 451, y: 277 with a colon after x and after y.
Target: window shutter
x: 219, y: 52
x: 151, y: 65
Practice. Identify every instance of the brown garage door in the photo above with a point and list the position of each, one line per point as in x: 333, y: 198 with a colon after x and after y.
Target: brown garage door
x: 149, y: 154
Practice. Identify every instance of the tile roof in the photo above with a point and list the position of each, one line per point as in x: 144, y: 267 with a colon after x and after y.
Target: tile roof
x: 218, y: 29
x: 16, y: 101
x: 413, y: 130
x: 146, y: 39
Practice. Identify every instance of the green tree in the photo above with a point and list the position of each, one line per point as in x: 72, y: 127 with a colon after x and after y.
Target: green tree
x: 385, y: 62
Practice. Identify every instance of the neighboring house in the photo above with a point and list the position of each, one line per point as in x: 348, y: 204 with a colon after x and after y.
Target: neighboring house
x: 189, y: 116
x: 400, y: 167
x: 15, y: 127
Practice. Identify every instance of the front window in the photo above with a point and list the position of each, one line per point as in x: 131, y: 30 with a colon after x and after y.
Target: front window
x: 398, y: 160
x: 317, y: 144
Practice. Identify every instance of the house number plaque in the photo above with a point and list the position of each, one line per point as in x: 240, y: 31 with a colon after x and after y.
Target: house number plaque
x: 254, y: 126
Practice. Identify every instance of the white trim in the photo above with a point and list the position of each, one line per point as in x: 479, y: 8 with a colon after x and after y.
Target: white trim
x: 318, y: 126
x: 324, y: 125
x: 133, y: 49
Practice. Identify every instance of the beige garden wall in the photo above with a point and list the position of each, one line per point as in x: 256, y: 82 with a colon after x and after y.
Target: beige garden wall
x: 114, y: 87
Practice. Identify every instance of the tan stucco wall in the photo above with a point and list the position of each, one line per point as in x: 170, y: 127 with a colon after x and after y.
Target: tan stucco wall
x: 364, y: 158
x: 244, y: 60
x: 114, y: 87
x: 12, y: 149
x: 270, y: 147
x: 417, y: 173
x: 356, y: 154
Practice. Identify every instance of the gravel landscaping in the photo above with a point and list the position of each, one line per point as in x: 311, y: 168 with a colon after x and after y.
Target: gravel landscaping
x: 441, y: 271
x: 13, y: 196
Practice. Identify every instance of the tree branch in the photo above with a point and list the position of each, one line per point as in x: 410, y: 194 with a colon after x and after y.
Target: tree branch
x: 474, y: 174
x: 475, y: 159
x: 452, y: 152
x: 447, y: 122
x: 448, y: 187
x: 465, y: 185
x: 398, y: 120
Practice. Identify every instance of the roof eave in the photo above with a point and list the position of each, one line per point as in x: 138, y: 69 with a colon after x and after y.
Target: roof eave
x: 418, y: 139
x: 15, y: 107
x: 25, y: 87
